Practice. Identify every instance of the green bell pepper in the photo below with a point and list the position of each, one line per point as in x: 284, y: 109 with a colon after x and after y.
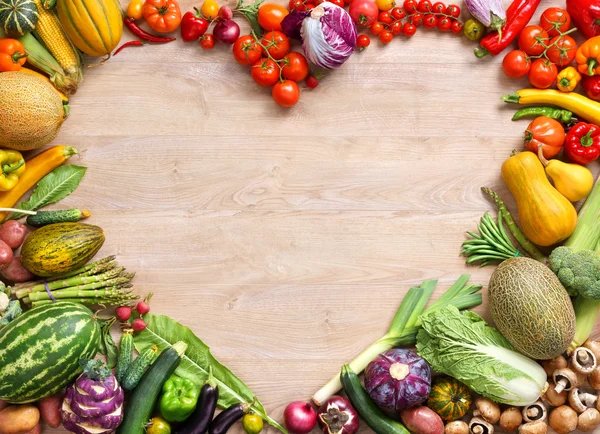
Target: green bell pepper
x: 179, y: 399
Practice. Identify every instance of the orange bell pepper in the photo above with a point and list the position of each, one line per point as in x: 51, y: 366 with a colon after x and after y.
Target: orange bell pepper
x: 588, y: 57
x: 163, y: 16
x: 12, y: 55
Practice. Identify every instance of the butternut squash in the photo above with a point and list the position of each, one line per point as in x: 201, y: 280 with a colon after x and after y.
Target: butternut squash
x: 547, y: 217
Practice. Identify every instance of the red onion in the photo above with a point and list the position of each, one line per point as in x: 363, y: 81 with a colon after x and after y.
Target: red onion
x: 300, y: 417
x: 225, y: 13
x: 226, y: 31
x: 337, y: 416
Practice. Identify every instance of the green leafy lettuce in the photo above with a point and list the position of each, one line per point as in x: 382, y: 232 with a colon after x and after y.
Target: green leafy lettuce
x: 465, y: 347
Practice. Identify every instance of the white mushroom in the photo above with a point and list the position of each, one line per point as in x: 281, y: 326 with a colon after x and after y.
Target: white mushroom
x: 535, y: 411
x: 580, y: 401
x: 480, y: 426
x: 589, y: 420
x: 487, y: 409
x: 583, y: 360
x: 456, y: 427
x: 510, y: 419
x: 537, y: 427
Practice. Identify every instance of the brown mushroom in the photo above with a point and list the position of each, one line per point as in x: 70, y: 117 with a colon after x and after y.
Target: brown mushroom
x: 535, y: 411
x: 537, y: 427
x: 580, y: 401
x: 588, y: 420
x: 554, y: 399
x: 565, y: 379
x: 553, y: 364
x: 510, y: 419
x: 487, y: 409
x: 594, y: 378
x: 563, y: 419
x: 480, y: 426
x: 583, y: 360
x: 456, y: 427
x: 594, y: 346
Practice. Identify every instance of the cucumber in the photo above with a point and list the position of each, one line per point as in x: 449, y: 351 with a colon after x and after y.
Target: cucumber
x: 135, y: 371
x: 143, y: 399
x: 43, y: 218
x: 366, y: 408
x: 125, y: 354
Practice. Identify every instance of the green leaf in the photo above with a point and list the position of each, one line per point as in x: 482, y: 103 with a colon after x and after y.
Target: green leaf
x: 198, y: 363
x: 53, y: 187
x: 107, y: 345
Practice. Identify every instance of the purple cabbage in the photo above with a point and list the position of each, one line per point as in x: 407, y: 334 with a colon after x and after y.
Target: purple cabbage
x: 292, y: 24
x: 489, y: 12
x: 398, y: 379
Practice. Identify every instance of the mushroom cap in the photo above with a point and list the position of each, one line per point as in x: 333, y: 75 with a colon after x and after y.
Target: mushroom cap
x: 580, y: 401
x: 456, y: 427
x: 583, y: 360
x: 487, y: 409
x: 563, y: 419
x: 594, y: 378
x: 511, y: 419
x: 588, y: 420
x: 479, y: 425
x: 554, y: 399
x: 535, y: 411
x: 566, y: 376
x: 536, y: 427
x: 594, y: 346
x: 553, y: 364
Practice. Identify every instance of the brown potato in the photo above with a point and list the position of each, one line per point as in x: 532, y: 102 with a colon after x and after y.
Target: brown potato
x: 19, y: 419
x: 50, y: 410
x: 13, y: 233
x: 422, y: 420
x: 15, y: 272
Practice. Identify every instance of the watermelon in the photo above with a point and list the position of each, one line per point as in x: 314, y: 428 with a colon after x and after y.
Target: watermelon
x: 40, y: 350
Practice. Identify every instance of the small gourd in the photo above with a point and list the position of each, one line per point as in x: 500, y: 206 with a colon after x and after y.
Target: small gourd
x: 449, y: 398
x: 573, y: 181
x: 546, y: 216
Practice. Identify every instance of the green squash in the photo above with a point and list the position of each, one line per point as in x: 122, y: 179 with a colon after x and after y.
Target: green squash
x: 18, y: 17
x: 449, y: 398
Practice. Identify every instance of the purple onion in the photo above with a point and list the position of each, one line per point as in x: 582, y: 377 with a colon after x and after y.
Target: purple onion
x: 489, y: 12
x: 398, y: 379
x: 226, y: 31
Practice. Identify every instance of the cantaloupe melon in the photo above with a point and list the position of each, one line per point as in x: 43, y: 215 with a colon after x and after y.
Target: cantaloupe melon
x: 531, y: 308
x: 32, y: 111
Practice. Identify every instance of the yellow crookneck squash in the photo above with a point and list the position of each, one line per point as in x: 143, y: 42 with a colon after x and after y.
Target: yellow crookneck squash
x: 547, y: 217
x: 94, y: 26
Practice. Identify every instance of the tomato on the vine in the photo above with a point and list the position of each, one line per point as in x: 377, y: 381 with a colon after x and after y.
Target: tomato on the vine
x: 385, y: 18
x: 444, y: 24
x: 417, y: 19
x: 398, y: 13
x: 516, y: 64
x: 270, y: 16
x: 309, y: 6
x: 385, y: 5
x: 438, y: 8
x: 376, y: 28
x: 429, y: 21
x: 555, y: 21
x: 542, y: 73
x: 339, y: 3
x: 207, y: 41
x: 533, y: 40
x: 409, y: 29
x: 295, y: 66
x: 247, y: 51
x: 456, y: 27
x: 286, y: 93
x: 453, y: 11
x: 563, y: 51
x: 396, y: 28
x: 363, y: 12
x: 363, y: 41
x: 276, y: 43
x: 265, y: 72
x: 297, y: 5
x: 410, y: 6
x: 424, y: 6
x: 386, y: 36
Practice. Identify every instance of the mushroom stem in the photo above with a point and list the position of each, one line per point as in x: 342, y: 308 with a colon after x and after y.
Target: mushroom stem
x: 560, y: 385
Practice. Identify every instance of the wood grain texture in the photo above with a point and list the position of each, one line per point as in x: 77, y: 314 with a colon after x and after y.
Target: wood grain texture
x: 286, y: 238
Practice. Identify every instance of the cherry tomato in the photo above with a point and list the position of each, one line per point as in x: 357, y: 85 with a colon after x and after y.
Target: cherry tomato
x: 363, y: 12
x: 386, y: 36
x: 277, y: 44
x: 555, y: 21
x: 385, y: 5
x: 210, y: 9
x: 438, y: 8
x: 294, y: 67
x: 296, y: 5
x: 286, y: 93
x: 265, y: 72
x: 398, y: 13
x: 542, y: 73
x: 312, y: 81
x: 363, y: 41
x: 134, y: 9
x: 270, y: 16
x: 409, y: 29
x: 207, y: 41
x: 429, y: 21
x: 410, y: 6
x: 247, y: 51
x: 339, y: 3
x: 309, y: 6
x: 456, y: 27
x: 444, y: 24
x: 532, y: 40
x: 376, y: 28
x: 453, y: 11
x: 385, y: 18
x: 396, y: 28
x: 424, y: 6
x: 564, y: 50
x: 516, y: 64
x: 417, y: 19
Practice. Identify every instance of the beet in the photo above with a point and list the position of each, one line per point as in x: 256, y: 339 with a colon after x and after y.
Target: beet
x: 398, y: 379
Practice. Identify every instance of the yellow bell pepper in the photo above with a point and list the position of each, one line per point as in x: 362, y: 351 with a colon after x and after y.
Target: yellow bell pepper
x: 588, y: 57
x: 567, y: 79
x: 12, y: 166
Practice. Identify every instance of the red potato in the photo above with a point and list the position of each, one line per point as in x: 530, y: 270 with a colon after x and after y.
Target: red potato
x: 422, y: 420
x: 36, y: 430
x: 16, y: 272
x: 13, y: 233
x: 50, y: 409
x: 6, y: 255
x: 3, y: 405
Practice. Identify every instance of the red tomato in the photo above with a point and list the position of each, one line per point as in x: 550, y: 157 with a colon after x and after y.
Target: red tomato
x: 385, y: 18
x: 542, y: 73
x: 270, y: 16
x: 207, y: 41
x: 444, y: 24
x: 409, y: 29
x: 563, y: 52
x: 424, y: 6
x: 516, y: 64
x: 398, y: 13
x: 453, y: 11
x: 277, y: 44
x: 363, y: 41
x: 438, y: 8
x: 296, y: 5
x: 286, y: 93
x: 386, y: 37
x: 429, y: 21
x: 396, y: 28
x: 247, y: 51
x: 364, y: 12
x: 555, y: 21
x: 547, y: 132
x: 295, y: 66
x: 265, y: 72
x: 376, y: 28
x: 312, y: 81
x: 532, y: 40
x: 309, y: 6
x: 456, y: 27
x: 339, y: 3
x: 410, y: 6
x: 417, y: 19
x: 163, y: 16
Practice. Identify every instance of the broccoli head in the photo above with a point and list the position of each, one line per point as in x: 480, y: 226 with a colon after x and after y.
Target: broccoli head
x: 577, y: 270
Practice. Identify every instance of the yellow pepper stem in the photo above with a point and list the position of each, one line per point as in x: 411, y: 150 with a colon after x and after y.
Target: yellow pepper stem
x: 7, y: 168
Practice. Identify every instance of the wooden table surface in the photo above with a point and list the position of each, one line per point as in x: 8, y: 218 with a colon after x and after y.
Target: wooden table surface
x: 286, y: 238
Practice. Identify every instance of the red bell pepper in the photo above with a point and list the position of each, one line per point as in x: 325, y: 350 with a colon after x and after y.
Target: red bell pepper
x: 591, y: 85
x: 582, y: 145
x: 586, y: 16
x: 193, y: 25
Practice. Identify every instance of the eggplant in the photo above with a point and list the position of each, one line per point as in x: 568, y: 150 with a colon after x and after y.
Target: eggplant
x: 228, y: 417
x: 200, y: 419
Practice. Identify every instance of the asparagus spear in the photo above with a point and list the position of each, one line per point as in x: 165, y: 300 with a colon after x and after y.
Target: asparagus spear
x: 89, y: 289
x: 104, y: 301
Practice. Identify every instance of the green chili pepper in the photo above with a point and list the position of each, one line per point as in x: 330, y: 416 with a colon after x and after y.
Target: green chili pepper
x: 179, y: 399
x: 564, y: 116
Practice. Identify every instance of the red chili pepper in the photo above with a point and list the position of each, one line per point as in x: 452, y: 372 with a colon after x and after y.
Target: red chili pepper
x: 135, y: 43
x: 193, y: 25
x: 142, y: 34
x: 582, y: 145
x: 591, y: 85
x: 518, y: 15
x: 586, y: 16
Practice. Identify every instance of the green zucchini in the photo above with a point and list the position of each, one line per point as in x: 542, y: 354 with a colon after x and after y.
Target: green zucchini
x: 125, y: 354
x: 43, y: 218
x: 366, y: 408
x: 133, y: 375
x: 143, y: 399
